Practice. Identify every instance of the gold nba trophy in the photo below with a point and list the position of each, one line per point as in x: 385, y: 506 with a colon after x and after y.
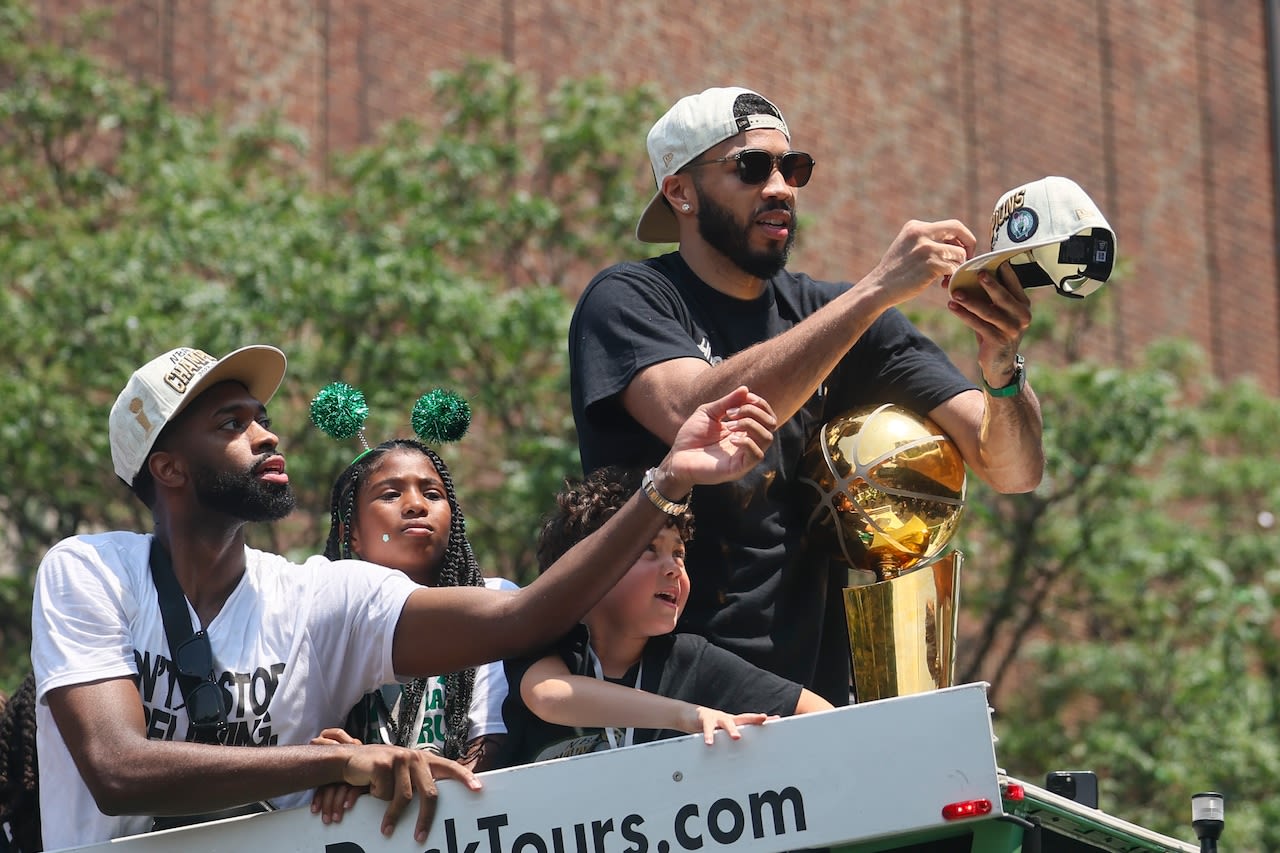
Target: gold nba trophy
x: 889, y: 488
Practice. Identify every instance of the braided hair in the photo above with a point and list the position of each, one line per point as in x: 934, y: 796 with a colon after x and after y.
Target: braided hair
x: 19, y: 771
x: 459, y: 567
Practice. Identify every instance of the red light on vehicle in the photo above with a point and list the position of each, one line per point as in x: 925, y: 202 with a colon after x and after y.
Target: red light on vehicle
x: 1015, y: 792
x: 966, y: 808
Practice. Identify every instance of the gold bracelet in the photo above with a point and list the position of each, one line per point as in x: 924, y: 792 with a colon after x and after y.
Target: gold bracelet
x: 655, y: 497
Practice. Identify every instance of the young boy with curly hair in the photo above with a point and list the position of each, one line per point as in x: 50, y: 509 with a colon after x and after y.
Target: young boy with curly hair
x: 623, y: 676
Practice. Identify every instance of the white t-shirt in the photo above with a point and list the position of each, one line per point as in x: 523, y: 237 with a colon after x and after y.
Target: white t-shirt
x: 295, y: 646
x: 490, y: 690
x: 484, y: 717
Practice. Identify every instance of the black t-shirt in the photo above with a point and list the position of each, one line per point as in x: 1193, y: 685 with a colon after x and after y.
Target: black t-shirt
x: 678, y: 666
x: 757, y: 590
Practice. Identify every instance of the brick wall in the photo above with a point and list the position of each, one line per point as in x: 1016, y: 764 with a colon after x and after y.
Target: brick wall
x: 1159, y: 108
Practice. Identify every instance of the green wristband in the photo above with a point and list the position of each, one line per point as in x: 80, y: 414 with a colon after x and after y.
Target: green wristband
x: 1016, y: 383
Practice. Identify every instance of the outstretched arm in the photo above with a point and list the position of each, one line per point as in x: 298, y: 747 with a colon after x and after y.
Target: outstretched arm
x: 1000, y: 438
x: 444, y: 629
x: 104, y: 727
x: 786, y: 369
x: 551, y: 692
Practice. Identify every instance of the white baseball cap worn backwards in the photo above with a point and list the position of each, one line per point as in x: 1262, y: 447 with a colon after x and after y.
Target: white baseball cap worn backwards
x: 695, y: 124
x: 1052, y: 235
x: 164, y: 386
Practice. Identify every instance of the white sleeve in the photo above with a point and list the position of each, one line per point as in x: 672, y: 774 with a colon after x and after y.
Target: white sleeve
x: 486, y: 702
x: 353, y: 628
x: 490, y: 690
x: 81, y: 614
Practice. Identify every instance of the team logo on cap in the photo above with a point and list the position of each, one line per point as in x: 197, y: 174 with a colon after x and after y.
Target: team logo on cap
x: 1022, y: 224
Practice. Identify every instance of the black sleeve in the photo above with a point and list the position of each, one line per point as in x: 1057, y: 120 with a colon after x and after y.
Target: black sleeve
x: 630, y: 317
x: 708, y: 675
x: 894, y: 362
x: 571, y: 648
x: 526, y: 732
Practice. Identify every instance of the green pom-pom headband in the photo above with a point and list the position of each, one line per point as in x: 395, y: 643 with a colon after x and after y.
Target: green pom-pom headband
x: 340, y: 412
x: 439, y: 416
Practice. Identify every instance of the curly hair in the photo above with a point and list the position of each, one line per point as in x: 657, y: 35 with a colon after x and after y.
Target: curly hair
x: 459, y: 566
x: 583, y: 507
x: 19, y: 770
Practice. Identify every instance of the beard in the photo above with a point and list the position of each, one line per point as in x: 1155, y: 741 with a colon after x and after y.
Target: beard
x: 718, y: 228
x: 240, y: 494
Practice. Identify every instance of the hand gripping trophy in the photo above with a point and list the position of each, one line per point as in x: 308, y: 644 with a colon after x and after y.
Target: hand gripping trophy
x: 889, y: 485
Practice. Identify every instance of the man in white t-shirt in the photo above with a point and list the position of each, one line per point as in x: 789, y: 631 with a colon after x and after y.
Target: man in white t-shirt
x: 293, y: 647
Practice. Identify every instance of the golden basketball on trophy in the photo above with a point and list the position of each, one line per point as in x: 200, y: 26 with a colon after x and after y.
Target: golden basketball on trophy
x: 889, y: 487
x: 888, y: 492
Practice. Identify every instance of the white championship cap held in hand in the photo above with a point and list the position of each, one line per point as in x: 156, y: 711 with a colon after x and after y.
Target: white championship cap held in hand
x: 1052, y: 235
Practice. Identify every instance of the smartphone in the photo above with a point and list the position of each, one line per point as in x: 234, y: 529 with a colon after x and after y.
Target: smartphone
x: 1078, y: 785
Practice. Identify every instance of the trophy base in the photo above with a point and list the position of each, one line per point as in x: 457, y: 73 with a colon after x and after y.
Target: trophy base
x: 902, y: 631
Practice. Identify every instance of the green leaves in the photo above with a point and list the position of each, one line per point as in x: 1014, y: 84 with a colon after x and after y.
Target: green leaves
x: 1130, y: 628
x: 439, y: 256
x: 1125, y: 612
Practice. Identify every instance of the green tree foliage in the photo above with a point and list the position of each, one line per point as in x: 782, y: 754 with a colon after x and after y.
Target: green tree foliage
x: 1124, y: 612
x: 438, y: 257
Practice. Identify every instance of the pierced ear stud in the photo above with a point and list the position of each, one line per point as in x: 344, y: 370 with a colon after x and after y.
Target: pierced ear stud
x: 685, y: 207
x: 386, y: 537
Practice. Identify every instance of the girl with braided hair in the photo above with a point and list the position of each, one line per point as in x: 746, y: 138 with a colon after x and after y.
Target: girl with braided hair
x: 396, y: 506
x: 19, y: 772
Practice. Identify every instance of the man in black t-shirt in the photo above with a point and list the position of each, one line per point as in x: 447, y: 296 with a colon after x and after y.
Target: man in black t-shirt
x: 650, y: 339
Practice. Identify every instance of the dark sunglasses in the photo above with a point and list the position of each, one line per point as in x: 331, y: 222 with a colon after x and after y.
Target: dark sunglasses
x: 206, y: 706
x: 755, y: 165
